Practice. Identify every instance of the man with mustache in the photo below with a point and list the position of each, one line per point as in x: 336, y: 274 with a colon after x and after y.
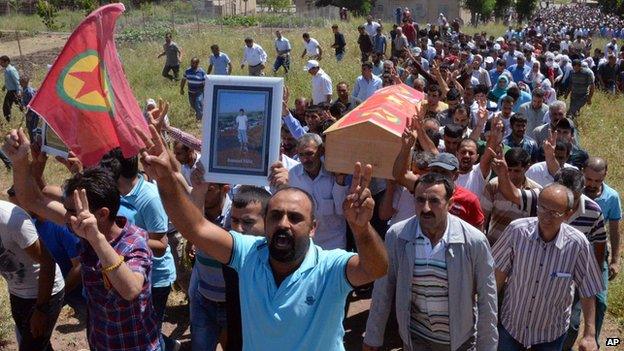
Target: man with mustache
x: 441, y: 274
x: 294, y: 290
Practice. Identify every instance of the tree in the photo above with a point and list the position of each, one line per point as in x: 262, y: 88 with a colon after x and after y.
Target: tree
x: 360, y: 7
x: 483, y: 8
x: 501, y: 7
x: 524, y: 9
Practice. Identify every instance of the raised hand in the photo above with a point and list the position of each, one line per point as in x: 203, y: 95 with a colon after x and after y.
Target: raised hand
x: 279, y: 175
x: 84, y: 223
x: 285, y: 98
x: 72, y: 163
x: 16, y: 145
x: 358, y: 205
x: 155, y: 158
x: 549, y: 144
x: 499, y: 166
x: 157, y: 115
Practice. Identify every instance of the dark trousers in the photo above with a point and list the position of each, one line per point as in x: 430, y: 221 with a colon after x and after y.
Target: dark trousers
x: 159, y: 302
x: 22, y: 310
x: 168, y: 68
x: 9, y: 100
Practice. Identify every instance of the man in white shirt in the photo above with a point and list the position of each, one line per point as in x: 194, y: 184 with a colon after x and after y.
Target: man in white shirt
x: 254, y: 57
x: 327, y: 190
x: 34, y: 281
x: 542, y: 172
x: 241, y: 127
x: 283, y: 48
x: 366, y: 84
x: 371, y: 26
x: 322, y: 88
x: 311, y: 48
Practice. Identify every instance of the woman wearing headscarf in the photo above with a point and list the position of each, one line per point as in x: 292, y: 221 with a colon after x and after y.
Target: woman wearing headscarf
x: 534, y: 77
x: 499, y: 89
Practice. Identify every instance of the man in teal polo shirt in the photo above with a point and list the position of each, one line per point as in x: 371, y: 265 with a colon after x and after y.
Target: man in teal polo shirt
x: 292, y: 291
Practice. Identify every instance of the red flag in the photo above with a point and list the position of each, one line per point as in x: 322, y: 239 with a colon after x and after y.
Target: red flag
x: 85, y: 96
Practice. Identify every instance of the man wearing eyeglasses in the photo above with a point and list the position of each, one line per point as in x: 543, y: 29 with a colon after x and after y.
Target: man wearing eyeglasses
x: 538, y: 261
x: 438, y: 263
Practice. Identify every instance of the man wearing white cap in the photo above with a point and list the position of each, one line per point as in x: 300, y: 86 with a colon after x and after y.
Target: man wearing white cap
x: 322, y: 89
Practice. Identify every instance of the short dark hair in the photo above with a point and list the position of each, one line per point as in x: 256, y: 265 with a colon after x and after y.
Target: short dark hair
x: 467, y: 140
x: 453, y: 130
x: 481, y: 88
x: 517, y: 118
x: 306, y: 35
x: 517, y: 157
x: 571, y: 178
x: 438, y: 178
x: 120, y: 166
x: 297, y: 190
x: 539, y: 92
x: 508, y: 99
x: 5, y: 58
x: 101, y: 188
x: 335, y: 26
x: 565, y: 146
x: 433, y: 88
x: 247, y: 194
x: 514, y: 92
x: 214, y: 46
x: 367, y: 64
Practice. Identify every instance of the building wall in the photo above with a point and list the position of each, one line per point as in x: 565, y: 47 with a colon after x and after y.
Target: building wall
x: 230, y: 7
x: 423, y: 11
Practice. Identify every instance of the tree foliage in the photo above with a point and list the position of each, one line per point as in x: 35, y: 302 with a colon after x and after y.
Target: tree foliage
x: 501, y: 7
x: 525, y: 8
x: 483, y: 8
x: 360, y: 7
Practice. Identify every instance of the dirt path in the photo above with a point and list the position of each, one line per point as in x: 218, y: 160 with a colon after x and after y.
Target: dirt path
x: 31, y: 45
x: 70, y: 333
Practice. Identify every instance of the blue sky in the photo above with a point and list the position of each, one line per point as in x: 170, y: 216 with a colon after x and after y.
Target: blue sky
x: 232, y: 101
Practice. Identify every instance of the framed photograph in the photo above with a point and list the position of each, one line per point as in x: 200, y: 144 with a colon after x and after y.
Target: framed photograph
x: 51, y: 144
x: 241, y: 128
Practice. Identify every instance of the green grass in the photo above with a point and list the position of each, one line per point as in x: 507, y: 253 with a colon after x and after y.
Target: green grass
x: 143, y: 71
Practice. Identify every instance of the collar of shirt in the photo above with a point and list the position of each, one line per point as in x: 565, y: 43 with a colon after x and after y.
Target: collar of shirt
x: 322, y: 172
x: 137, y: 187
x: 559, y: 239
x: 580, y: 209
x: 430, y: 249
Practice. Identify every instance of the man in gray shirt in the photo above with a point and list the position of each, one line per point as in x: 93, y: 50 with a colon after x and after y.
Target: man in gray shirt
x: 173, y: 54
x: 581, y: 82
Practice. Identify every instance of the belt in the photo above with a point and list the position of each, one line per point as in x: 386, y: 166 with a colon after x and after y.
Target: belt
x: 255, y: 65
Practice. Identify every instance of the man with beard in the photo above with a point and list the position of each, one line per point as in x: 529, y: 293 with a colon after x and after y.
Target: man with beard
x: 295, y: 291
x: 342, y: 90
x: 556, y: 112
x: 441, y: 276
x: 115, y: 253
x: 474, y: 176
x: 608, y: 199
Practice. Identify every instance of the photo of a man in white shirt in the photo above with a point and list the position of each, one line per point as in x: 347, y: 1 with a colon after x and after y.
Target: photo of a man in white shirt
x: 241, y: 123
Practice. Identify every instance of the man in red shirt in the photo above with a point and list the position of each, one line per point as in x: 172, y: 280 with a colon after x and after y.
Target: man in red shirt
x: 409, y: 31
x: 465, y: 204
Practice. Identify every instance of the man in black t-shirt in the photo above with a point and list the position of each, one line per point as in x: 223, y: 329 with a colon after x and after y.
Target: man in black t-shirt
x: 339, y: 43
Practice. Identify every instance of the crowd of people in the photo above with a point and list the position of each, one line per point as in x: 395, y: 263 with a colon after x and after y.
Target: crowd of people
x: 498, y: 231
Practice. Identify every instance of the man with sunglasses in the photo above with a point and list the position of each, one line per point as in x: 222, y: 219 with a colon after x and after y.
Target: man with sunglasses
x: 538, y: 261
x: 441, y: 274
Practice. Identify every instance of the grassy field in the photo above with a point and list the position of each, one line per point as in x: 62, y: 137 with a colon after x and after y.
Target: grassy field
x: 143, y: 71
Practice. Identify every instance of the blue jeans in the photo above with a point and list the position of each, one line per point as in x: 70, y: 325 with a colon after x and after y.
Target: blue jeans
x: 208, y: 320
x: 601, y: 309
x: 196, y: 101
x: 506, y: 342
x: 340, y: 56
x: 159, y: 301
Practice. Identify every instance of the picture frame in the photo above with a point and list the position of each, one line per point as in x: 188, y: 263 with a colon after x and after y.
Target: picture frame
x: 241, y: 128
x: 51, y: 144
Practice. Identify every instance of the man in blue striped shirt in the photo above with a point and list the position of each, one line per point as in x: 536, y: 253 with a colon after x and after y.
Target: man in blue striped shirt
x: 539, y: 262
x: 196, y: 77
